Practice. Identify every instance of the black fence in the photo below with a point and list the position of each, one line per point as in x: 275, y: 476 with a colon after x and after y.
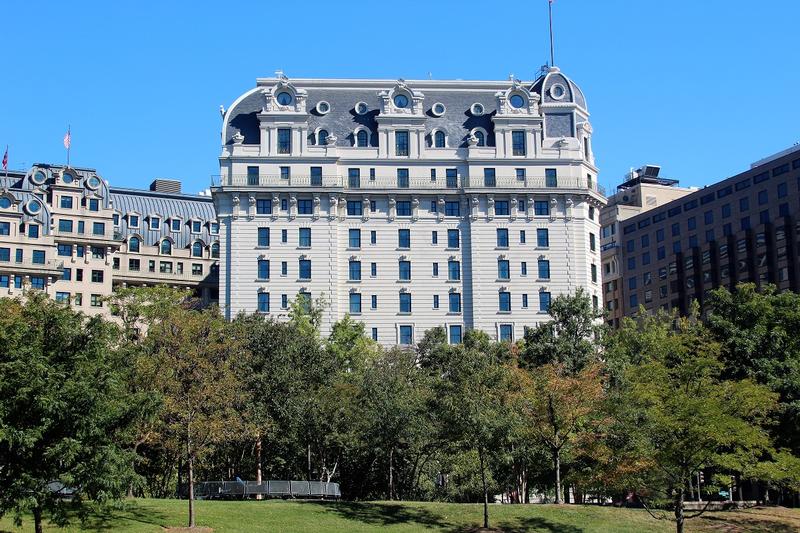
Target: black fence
x: 270, y: 489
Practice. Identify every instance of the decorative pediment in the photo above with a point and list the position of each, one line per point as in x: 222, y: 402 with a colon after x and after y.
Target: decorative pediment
x: 517, y: 100
x: 284, y: 97
x: 401, y: 100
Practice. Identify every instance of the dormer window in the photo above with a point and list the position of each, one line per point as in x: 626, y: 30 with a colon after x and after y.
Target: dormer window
x: 175, y: 224
x: 215, y: 250
x: 5, y: 202
x: 155, y: 223
x: 133, y: 221
x: 214, y: 228
x: 481, y: 137
x: 133, y: 244
x: 401, y: 101
x: 115, y: 218
x: 196, y: 226
x: 285, y: 98
x: 67, y: 177
x: 439, y: 139
x: 322, y: 137
x: 362, y: 139
x: 516, y: 101
x: 166, y: 247
x: 94, y: 204
x: 197, y: 249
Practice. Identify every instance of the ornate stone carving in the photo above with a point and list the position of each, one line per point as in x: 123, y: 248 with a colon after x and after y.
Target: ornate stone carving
x: 472, y: 140
x: 238, y: 138
x: 331, y: 140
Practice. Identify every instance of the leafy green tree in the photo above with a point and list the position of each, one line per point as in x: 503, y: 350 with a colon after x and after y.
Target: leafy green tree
x: 64, y: 408
x: 471, y: 395
x: 190, y: 357
x: 571, y: 339
x: 758, y: 335
x: 681, y: 414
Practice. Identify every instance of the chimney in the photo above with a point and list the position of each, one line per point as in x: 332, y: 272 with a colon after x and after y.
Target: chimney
x: 167, y: 186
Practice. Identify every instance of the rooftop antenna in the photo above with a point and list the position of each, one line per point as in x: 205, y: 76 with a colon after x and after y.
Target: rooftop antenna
x: 550, y: 14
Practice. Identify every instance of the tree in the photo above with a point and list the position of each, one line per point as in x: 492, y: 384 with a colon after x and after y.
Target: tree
x: 64, y: 406
x: 563, y: 410
x: 191, y: 358
x: 471, y: 395
x: 570, y: 339
x: 682, y: 415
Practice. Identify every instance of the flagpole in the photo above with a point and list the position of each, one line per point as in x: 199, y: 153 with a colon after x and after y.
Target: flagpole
x: 5, y: 161
x: 69, y: 144
x: 550, y: 13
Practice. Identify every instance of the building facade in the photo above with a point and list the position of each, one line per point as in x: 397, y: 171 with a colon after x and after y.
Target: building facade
x: 742, y: 229
x: 641, y: 191
x: 64, y: 231
x: 409, y: 205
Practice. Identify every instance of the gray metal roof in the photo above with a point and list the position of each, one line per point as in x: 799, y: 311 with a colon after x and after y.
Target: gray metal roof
x: 342, y: 119
x: 165, y: 206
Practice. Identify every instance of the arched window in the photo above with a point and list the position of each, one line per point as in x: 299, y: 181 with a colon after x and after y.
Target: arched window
x: 362, y: 139
x: 133, y: 244
x: 197, y: 249
x: 166, y: 247
x: 438, y: 139
x: 215, y: 250
x: 481, y: 138
x: 322, y: 137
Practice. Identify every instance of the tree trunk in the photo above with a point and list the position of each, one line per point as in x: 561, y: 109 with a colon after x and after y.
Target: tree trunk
x: 557, y: 468
x: 258, y: 465
x: 739, y: 489
x: 679, y: 511
x: 485, y: 491
x: 37, y: 519
x: 309, y: 462
x: 391, y: 479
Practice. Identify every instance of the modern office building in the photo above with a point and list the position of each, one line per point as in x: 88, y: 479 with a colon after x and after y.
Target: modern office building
x: 409, y: 204
x: 641, y: 191
x: 744, y: 228
x: 64, y: 231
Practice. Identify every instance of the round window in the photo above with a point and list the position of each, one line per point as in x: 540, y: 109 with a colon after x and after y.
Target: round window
x: 5, y: 203
x: 557, y: 91
x: 323, y: 107
x: 517, y: 101
x: 33, y: 207
x: 38, y: 177
x: 67, y: 177
x: 401, y: 101
x: 438, y: 109
x: 361, y: 108
x: 284, y: 98
x: 477, y: 109
x: 93, y: 182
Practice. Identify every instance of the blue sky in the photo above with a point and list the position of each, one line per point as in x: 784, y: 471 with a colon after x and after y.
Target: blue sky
x: 701, y: 87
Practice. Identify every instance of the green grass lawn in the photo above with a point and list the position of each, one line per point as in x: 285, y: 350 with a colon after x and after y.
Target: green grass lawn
x: 148, y: 516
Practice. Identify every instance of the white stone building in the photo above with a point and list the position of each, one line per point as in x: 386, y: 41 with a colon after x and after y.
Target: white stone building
x: 409, y: 204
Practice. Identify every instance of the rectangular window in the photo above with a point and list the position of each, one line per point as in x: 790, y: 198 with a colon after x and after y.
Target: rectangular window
x: 263, y: 237
x: 263, y: 269
x: 165, y: 267
x: 452, y: 208
x: 451, y: 176
x: 594, y: 273
x: 305, y: 268
x: 502, y: 237
x: 196, y: 226
x: 354, y: 208
x: 402, y: 178
x: 252, y: 175
x: 355, y: 303
x: 763, y: 197
x: 33, y: 231
x: 691, y: 223
x: 544, y: 269
x: 523, y: 268
x: 284, y: 141
x: 452, y: 238
x: 286, y: 173
x: 406, y: 335
x: 94, y: 204
x: 263, y: 302
x: 304, y: 237
x: 98, y: 252
x: 436, y: 301
x: 316, y: 176
x: 355, y: 270
x: 65, y: 250
x: 522, y: 236
x: 405, y: 302
x: 284, y: 268
x: 373, y: 237
x: 354, y: 238
x: 676, y: 229
x: 374, y: 301
x: 435, y: 273
x: 176, y: 224
x: 354, y: 178
x: 541, y: 207
x: 551, y: 177
x: 520, y: 173
x: 305, y: 207
x: 81, y: 225
x: 501, y: 207
x: 401, y: 142
x: 404, y: 238
x: 454, y: 300
x: 404, y: 208
x: 66, y: 202
x: 506, y: 333
x: 197, y: 269
x: 489, y: 178
x: 404, y: 270
x: 782, y: 190
x: 373, y: 269
x: 524, y: 301
x: 66, y: 274
x: 434, y: 237
x: 544, y: 301
x: 38, y: 257
x: 64, y: 226
x: 517, y: 142
x: 455, y: 335
x: 503, y: 271
x: 453, y: 270
x: 593, y: 241
x: 542, y: 238
x: 5, y: 254
x: 263, y: 206
x: 744, y: 204
x: 284, y: 301
x: 97, y: 276
x: 505, y: 302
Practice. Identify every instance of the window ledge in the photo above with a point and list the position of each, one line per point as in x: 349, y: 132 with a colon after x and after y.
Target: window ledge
x: 504, y: 312
x: 258, y: 280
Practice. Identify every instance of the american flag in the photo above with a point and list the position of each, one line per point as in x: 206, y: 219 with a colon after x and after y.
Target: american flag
x: 5, y: 159
x: 67, y: 139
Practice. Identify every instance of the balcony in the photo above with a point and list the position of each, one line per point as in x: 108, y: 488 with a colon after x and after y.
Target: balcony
x: 51, y: 267
x: 384, y: 183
